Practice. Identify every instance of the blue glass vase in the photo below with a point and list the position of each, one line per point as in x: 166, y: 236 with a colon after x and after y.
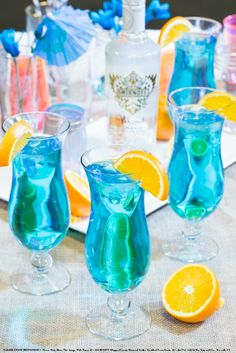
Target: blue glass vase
x: 194, y: 55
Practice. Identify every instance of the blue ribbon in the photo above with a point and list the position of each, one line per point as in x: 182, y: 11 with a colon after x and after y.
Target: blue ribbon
x: 11, y: 46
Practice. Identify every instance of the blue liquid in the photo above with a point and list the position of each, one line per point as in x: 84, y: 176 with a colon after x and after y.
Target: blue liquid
x: 194, y: 63
x: 117, y: 242
x: 38, y: 207
x: 195, y: 172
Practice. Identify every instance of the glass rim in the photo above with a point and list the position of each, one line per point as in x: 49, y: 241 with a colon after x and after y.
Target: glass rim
x: 52, y: 136
x: 70, y: 108
x: 218, y: 25
x: 171, y: 101
x: 116, y: 176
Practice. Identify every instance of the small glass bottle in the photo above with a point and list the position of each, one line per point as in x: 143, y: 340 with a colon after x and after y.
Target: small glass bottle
x: 132, y: 78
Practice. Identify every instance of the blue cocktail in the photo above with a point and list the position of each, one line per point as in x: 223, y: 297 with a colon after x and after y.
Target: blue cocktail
x: 117, y: 244
x: 38, y: 206
x: 195, y: 172
x: 194, y: 55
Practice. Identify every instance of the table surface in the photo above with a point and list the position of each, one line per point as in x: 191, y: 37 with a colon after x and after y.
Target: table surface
x: 57, y: 322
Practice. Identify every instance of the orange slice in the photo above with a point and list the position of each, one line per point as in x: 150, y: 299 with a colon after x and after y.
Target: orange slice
x: 192, y: 294
x: 173, y: 30
x: 146, y: 168
x: 14, y: 140
x: 79, y: 194
x: 222, y: 102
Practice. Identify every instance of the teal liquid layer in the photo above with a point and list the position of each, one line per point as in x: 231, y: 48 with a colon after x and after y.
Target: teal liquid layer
x: 38, y: 206
x: 117, y: 242
x: 195, y: 172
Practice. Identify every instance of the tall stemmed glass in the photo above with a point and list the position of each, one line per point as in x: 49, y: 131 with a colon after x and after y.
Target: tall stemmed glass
x: 38, y: 207
x: 117, y: 245
x: 196, y: 173
x: 194, y: 55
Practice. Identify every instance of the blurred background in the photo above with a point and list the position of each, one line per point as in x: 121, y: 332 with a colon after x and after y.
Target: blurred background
x: 12, y: 11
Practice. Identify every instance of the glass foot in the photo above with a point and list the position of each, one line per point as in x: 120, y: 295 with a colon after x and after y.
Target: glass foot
x: 191, y: 251
x: 103, y: 323
x: 57, y: 279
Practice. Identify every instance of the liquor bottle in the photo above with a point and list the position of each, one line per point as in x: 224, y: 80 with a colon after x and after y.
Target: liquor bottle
x: 132, y: 78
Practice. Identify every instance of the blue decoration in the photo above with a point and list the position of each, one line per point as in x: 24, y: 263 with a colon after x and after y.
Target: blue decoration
x: 63, y: 36
x: 9, y: 42
x: 115, y: 6
x: 156, y: 10
x: 108, y: 17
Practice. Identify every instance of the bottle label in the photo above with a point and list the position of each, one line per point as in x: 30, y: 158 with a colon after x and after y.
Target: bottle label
x: 131, y: 92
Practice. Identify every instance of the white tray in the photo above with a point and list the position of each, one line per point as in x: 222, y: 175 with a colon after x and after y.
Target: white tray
x: 96, y: 136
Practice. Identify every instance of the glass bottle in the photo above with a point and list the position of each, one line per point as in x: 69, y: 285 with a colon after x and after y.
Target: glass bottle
x: 132, y: 77
x: 194, y: 55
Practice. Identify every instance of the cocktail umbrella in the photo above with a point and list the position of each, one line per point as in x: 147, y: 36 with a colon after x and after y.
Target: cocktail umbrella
x: 63, y: 36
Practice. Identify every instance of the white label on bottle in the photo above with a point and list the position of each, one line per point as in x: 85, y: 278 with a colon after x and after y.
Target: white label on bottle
x: 132, y: 92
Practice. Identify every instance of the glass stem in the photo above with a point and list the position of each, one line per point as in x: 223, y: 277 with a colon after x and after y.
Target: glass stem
x: 192, y: 230
x: 119, y: 305
x: 42, y: 262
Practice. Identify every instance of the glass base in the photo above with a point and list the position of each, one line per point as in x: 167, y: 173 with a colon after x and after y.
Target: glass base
x: 101, y: 323
x: 186, y: 250
x: 57, y: 279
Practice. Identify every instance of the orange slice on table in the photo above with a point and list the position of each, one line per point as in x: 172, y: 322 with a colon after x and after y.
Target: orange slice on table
x: 222, y: 102
x: 173, y: 30
x: 192, y: 294
x: 13, y: 141
x: 79, y: 194
x: 146, y: 168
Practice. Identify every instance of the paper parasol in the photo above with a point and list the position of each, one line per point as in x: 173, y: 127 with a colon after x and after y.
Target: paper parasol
x: 63, y: 36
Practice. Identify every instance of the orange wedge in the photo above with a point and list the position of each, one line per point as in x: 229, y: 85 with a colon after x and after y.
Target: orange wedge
x: 222, y: 102
x: 79, y: 194
x: 192, y: 294
x: 13, y: 141
x: 146, y: 168
x: 173, y: 30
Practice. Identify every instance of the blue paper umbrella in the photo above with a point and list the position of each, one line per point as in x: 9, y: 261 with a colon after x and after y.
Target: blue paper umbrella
x: 63, y: 36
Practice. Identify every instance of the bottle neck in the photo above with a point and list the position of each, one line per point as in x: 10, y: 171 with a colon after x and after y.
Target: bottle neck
x: 134, y: 16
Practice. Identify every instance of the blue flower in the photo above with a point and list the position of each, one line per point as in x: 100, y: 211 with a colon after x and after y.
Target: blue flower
x: 11, y: 46
x: 104, y: 18
x: 115, y: 6
x: 108, y: 17
x: 156, y: 10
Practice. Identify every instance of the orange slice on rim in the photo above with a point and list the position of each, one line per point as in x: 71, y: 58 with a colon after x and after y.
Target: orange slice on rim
x: 173, y: 30
x: 222, y: 102
x: 13, y: 141
x: 146, y: 168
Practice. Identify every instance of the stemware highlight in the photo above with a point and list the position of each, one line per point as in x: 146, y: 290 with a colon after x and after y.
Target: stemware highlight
x: 195, y: 171
x: 117, y: 245
x: 38, y: 206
